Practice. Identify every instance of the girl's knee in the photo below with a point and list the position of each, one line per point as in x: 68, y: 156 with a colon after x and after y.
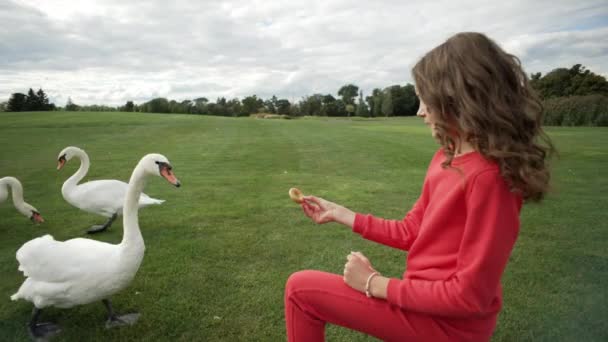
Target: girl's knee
x: 300, y: 280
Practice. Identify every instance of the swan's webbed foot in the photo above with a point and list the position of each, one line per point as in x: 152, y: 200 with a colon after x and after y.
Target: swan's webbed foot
x: 101, y: 227
x: 41, y: 332
x: 119, y: 321
x: 98, y: 228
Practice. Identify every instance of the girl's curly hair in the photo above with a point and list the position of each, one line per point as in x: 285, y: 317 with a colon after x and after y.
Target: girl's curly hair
x: 480, y: 93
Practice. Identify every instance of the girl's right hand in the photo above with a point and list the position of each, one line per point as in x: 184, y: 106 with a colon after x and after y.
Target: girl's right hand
x: 323, y: 211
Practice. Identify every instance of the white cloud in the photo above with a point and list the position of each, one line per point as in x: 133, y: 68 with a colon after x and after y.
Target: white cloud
x: 563, y: 49
x: 112, y: 51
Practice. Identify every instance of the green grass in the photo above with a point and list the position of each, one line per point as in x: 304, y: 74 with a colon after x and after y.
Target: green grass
x: 219, y: 251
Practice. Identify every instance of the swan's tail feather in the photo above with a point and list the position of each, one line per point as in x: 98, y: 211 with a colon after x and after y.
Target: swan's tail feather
x: 145, y: 200
x: 156, y: 201
x: 15, y: 296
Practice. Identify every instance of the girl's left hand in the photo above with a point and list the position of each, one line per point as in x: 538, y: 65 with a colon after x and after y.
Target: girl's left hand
x: 356, y: 271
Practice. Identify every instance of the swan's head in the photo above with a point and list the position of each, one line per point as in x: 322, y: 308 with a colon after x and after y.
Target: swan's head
x: 66, y: 154
x: 31, y: 212
x: 158, y: 165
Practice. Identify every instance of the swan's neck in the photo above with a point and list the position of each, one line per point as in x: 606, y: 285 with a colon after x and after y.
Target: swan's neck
x: 17, y: 192
x: 79, y: 175
x: 132, y: 238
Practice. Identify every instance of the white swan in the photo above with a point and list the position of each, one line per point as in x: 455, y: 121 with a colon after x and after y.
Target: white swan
x: 80, y: 271
x: 17, y: 191
x: 102, y: 197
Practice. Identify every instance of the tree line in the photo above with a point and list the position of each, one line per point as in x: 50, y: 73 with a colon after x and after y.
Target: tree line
x: 571, y: 96
x: 33, y: 101
x: 395, y: 100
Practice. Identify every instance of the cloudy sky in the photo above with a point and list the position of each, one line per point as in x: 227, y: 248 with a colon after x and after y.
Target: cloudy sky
x: 112, y: 51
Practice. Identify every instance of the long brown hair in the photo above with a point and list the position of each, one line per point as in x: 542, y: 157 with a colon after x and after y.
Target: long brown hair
x: 480, y: 93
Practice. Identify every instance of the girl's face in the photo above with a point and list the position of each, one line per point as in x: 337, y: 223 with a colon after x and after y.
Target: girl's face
x: 428, y: 116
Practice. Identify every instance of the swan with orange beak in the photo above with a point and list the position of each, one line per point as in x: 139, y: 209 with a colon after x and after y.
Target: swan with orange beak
x: 17, y: 193
x: 102, y: 197
x: 79, y: 271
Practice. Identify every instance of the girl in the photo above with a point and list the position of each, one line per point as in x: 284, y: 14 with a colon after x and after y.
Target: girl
x: 460, y: 232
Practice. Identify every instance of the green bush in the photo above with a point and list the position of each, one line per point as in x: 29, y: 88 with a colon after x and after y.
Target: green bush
x: 590, y: 110
x: 602, y: 119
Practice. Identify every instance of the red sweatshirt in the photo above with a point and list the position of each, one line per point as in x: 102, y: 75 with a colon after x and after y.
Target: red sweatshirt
x: 459, y: 235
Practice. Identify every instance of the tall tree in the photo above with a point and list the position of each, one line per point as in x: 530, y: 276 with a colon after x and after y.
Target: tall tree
x: 330, y: 106
x: 585, y: 82
x: 377, y: 102
x: 234, y: 108
x: 569, y: 82
x: 411, y: 100
x: 186, y: 107
x: 362, y: 109
x: 71, y: 106
x: 159, y: 105
x: 271, y: 105
x: 350, y: 109
x: 219, y: 107
x: 404, y: 100
x: 295, y: 109
x: 16, y: 102
x: 283, y: 106
x: 31, y: 102
x: 252, y: 104
x: 201, y: 105
x: 348, y: 93
x: 129, y: 106
x: 311, y: 105
x: 42, y: 100
x: 387, y: 103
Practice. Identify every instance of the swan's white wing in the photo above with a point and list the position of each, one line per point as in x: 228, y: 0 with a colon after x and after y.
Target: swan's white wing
x: 106, y: 197
x: 45, y: 259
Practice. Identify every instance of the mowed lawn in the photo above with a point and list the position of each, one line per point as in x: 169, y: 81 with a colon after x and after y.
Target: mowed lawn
x: 219, y: 250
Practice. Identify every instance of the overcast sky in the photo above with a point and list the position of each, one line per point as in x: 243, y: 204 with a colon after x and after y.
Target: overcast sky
x: 112, y: 51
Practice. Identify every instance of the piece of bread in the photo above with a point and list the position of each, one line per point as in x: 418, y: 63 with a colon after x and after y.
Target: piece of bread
x: 296, y: 195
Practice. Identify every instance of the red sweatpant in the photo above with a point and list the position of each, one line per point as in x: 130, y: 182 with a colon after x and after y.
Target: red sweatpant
x: 314, y: 298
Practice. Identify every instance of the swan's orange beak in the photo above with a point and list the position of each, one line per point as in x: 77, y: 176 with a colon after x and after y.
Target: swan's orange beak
x: 60, y: 163
x: 169, y: 176
x: 37, y: 218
